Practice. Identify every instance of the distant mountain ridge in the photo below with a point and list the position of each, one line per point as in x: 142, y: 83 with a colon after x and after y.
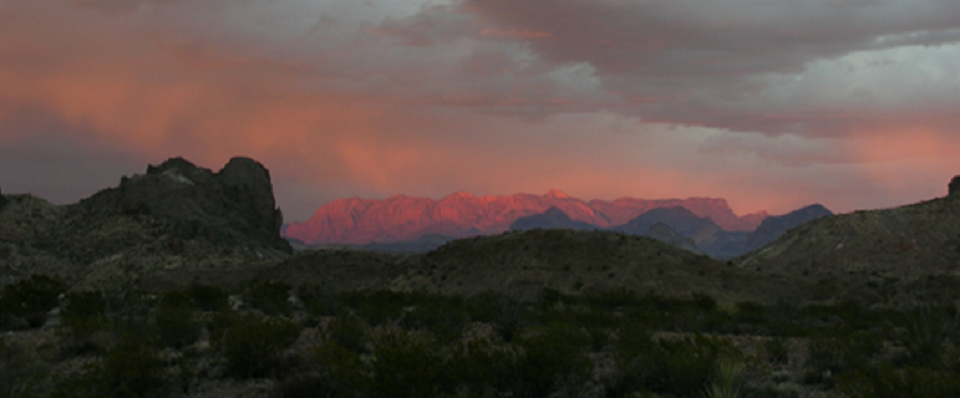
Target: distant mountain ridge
x: 400, y: 218
x: 682, y: 228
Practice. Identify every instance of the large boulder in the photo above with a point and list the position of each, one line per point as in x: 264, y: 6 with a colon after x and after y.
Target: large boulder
x: 954, y: 187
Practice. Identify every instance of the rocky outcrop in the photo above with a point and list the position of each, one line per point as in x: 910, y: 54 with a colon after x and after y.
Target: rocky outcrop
x: 176, y: 214
x: 954, y: 187
x: 403, y: 218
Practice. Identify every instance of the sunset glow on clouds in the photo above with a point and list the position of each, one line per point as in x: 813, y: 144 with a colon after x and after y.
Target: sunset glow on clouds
x: 772, y: 104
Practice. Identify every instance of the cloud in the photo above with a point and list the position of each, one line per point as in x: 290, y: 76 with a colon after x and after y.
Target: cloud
x: 745, y: 99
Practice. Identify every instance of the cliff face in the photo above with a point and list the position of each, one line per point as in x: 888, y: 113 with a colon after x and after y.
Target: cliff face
x: 399, y: 218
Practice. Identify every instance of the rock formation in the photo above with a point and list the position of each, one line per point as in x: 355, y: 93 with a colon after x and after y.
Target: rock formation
x: 176, y: 212
x: 954, y: 187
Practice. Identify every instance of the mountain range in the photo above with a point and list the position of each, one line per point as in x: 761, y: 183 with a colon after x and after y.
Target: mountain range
x: 400, y: 218
x: 682, y: 228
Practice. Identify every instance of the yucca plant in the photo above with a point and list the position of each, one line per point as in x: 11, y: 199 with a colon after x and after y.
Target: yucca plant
x: 727, y: 379
x: 927, y: 330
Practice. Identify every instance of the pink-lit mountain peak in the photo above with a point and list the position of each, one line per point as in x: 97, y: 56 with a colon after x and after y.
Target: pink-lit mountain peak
x: 402, y: 218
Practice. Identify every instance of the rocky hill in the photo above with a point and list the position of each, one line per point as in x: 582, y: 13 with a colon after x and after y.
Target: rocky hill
x: 773, y: 227
x: 401, y: 218
x: 670, y: 236
x: 553, y: 218
x: 175, y: 215
x: 880, y: 251
x: 521, y: 263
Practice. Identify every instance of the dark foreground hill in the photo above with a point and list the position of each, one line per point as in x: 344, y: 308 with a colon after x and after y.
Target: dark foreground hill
x: 521, y: 263
x: 899, y: 253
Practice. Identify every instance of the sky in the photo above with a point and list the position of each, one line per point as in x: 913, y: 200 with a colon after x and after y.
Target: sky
x: 771, y: 104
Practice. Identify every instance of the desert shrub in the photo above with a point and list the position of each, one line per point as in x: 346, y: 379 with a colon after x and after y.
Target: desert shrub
x: 133, y: 368
x: 886, y: 381
x: 485, y: 307
x: 19, y: 365
x: 130, y: 369
x: 176, y: 322
x: 927, y: 332
x: 377, y: 307
x: 348, y: 332
x: 611, y: 298
x: 441, y: 317
x: 253, y: 345
x: 30, y: 300
x: 550, y: 359
x: 776, y: 351
x: 272, y: 298
x: 304, y: 386
x: 344, y: 370
x: 704, y: 302
x: 208, y: 298
x: 317, y: 303
x: 482, y: 368
x: 750, y: 312
x: 833, y: 355
x: 408, y: 365
x: 682, y: 368
x: 219, y: 323
x: 83, y: 315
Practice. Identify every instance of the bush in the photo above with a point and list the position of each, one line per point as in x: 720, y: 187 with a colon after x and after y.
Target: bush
x: 83, y: 315
x: 406, y: 365
x: 550, y: 359
x: 304, y: 386
x: 680, y: 367
x: 253, y: 345
x: 927, y: 332
x: 343, y: 368
x: 776, y: 351
x: 208, y: 298
x: 30, y: 299
x: 835, y: 355
x: 273, y: 298
x: 130, y: 369
x: 133, y: 368
x: 19, y: 365
x: 175, y: 320
x: 348, y: 332
x: 888, y: 382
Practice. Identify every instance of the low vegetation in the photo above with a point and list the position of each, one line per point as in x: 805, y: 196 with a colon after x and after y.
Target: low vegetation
x: 129, y: 343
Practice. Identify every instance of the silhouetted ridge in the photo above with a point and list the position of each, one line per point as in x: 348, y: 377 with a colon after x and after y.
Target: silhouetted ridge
x: 775, y: 226
x: 553, y: 218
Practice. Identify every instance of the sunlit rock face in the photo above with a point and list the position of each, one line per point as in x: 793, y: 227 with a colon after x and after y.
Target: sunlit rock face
x: 403, y: 218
